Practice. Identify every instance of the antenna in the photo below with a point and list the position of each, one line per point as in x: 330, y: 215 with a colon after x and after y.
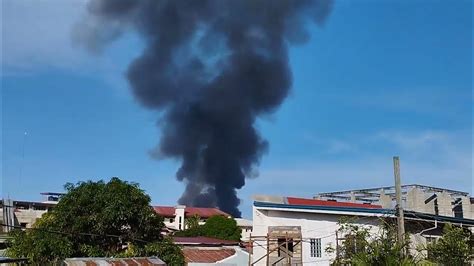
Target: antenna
x: 22, y: 158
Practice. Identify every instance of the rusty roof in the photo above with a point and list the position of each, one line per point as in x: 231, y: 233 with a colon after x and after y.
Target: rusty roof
x: 207, y: 255
x: 315, y: 202
x: 203, y: 240
x: 168, y: 211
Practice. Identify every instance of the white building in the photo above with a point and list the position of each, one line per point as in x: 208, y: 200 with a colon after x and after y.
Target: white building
x: 246, y: 227
x: 23, y: 214
x: 175, y: 217
x: 309, y: 227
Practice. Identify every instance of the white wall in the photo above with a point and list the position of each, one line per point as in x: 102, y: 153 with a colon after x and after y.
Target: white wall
x: 245, y: 234
x: 313, y: 225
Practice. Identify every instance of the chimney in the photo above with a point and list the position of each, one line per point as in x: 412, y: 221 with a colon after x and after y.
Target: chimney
x: 179, y: 212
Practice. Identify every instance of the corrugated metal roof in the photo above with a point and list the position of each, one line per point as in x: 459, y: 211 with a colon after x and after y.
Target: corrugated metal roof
x: 314, y: 202
x: 168, y: 211
x: 202, y: 240
x: 141, y: 261
x: 243, y: 222
x: 376, y: 211
x: 207, y: 255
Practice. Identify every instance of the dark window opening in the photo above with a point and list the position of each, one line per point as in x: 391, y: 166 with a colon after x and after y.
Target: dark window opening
x: 282, y: 252
x: 436, y: 209
x: 458, y: 210
x: 23, y: 225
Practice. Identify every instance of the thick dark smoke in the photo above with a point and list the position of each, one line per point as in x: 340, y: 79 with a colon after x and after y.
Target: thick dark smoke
x: 212, y: 67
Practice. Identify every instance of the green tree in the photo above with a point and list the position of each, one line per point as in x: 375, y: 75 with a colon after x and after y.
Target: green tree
x: 167, y: 251
x: 92, y: 219
x: 361, y: 246
x: 192, y: 222
x: 452, y: 248
x: 216, y: 226
x: 222, y: 228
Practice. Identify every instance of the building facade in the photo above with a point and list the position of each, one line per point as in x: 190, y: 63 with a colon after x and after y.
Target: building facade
x: 246, y: 227
x: 305, y: 231
x: 23, y: 214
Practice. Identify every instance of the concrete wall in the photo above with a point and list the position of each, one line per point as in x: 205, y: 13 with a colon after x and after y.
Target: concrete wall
x: 245, y: 234
x: 25, y: 217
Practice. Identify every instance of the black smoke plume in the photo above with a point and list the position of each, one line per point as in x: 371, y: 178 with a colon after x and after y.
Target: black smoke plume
x: 212, y: 67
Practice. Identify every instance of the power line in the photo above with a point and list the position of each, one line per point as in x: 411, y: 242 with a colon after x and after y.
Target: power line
x: 73, y: 233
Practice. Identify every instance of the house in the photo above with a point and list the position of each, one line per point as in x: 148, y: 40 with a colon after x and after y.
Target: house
x: 175, y: 216
x: 23, y: 214
x: 201, y: 251
x: 302, y: 231
x: 246, y: 227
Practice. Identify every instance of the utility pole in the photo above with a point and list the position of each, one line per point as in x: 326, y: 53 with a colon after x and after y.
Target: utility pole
x: 399, y: 207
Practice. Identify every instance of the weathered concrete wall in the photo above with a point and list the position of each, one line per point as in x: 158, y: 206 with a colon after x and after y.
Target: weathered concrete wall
x: 385, y: 200
x: 444, y: 204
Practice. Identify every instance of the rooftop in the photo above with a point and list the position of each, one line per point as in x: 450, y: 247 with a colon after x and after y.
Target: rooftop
x: 203, y: 241
x: 169, y: 211
x: 207, y: 255
x: 313, y: 202
x: 243, y: 222
x: 334, y: 207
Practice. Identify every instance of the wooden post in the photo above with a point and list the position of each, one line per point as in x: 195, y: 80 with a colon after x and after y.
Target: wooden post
x: 337, y: 247
x: 250, y: 248
x: 287, y: 250
x: 399, y: 207
x: 268, y: 250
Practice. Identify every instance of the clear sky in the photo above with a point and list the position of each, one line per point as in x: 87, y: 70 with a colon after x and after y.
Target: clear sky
x: 380, y: 78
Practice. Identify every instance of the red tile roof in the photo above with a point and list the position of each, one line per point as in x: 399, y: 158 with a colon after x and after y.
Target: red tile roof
x: 314, y: 202
x: 164, y: 211
x: 167, y: 211
x: 202, y: 240
x: 206, y: 255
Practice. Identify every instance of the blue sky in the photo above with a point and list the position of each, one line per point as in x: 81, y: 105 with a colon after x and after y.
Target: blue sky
x: 380, y: 78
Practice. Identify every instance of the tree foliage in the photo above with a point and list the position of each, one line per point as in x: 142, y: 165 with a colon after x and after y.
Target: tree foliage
x: 216, y: 226
x: 93, y: 219
x: 361, y: 246
x: 192, y: 222
x: 452, y: 248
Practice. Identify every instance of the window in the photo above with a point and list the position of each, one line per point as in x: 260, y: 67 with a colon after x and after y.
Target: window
x: 23, y: 225
x: 179, y: 225
x: 315, y: 245
x: 171, y: 220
